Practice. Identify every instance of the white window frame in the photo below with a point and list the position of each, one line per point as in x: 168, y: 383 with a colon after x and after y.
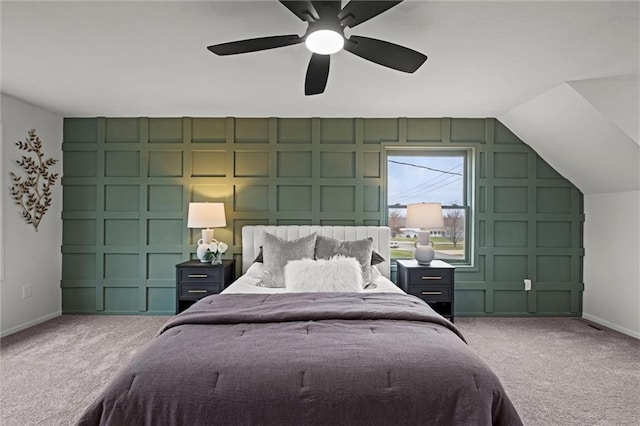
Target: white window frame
x: 469, y: 190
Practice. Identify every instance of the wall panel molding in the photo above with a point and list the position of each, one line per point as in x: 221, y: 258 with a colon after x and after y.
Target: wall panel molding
x: 128, y: 182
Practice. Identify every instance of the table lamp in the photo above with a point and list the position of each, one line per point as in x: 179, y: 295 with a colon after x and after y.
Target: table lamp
x: 425, y: 216
x: 206, y: 215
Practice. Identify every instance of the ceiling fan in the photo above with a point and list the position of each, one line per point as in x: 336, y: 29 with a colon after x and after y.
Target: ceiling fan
x: 326, y: 21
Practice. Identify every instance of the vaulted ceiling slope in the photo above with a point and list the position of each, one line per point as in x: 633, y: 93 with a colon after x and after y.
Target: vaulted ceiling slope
x: 587, y: 130
x: 505, y: 59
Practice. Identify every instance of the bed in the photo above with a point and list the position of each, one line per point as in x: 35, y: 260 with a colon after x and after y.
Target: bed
x: 265, y: 354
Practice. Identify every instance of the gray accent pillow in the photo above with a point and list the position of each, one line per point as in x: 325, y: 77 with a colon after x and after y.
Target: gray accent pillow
x: 327, y: 247
x: 277, y: 252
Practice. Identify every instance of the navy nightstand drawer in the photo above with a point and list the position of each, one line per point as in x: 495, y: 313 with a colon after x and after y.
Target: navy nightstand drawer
x: 194, y: 291
x: 204, y: 274
x: 429, y: 276
x: 431, y: 293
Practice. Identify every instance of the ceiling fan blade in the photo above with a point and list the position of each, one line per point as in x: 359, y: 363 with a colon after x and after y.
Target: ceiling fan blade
x: 254, y: 44
x: 328, y: 9
x: 317, y: 74
x: 304, y: 10
x: 384, y: 53
x: 356, y: 12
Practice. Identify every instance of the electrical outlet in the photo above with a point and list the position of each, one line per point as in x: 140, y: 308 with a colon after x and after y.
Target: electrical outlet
x: 26, y: 291
x: 527, y: 285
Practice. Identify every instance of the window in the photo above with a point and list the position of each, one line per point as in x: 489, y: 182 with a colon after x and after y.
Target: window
x: 430, y: 175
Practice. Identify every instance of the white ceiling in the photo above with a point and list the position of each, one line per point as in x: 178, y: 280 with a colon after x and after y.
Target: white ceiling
x: 149, y: 58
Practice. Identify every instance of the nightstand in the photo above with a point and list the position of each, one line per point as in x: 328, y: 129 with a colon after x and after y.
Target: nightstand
x: 433, y: 283
x: 195, y: 280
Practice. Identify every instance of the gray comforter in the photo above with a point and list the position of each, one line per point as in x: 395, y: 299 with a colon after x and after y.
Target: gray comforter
x: 305, y: 359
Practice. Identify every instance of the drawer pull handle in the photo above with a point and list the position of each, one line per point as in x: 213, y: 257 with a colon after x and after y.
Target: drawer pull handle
x: 197, y: 291
x: 431, y: 293
x: 431, y: 278
x: 198, y: 275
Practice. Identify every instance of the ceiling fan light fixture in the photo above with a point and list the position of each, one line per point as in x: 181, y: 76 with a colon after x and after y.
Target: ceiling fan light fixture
x: 324, y: 42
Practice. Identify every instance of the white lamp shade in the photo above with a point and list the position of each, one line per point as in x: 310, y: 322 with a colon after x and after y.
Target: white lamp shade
x: 206, y: 215
x: 424, y: 216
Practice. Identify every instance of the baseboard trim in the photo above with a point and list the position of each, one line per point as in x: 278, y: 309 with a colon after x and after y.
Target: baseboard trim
x: 611, y: 325
x: 31, y: 323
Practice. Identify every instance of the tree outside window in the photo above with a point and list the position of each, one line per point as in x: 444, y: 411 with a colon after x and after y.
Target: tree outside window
x: 454, y: 226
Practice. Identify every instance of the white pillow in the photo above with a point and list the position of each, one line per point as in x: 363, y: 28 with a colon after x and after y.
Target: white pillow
x: 338, y: 274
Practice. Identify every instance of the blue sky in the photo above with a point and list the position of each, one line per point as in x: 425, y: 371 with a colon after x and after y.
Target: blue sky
x: 410, y: 184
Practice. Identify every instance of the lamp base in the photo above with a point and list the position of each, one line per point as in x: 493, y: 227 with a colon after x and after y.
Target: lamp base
x: 201, y: 252
x: 203, y: 244
x: 424, y: 254
x: 207, y: 236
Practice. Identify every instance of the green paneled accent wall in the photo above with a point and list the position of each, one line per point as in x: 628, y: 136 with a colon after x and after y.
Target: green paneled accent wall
x: 128, y: 181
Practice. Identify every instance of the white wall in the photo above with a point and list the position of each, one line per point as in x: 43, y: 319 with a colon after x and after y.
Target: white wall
x: 612, y: 261
x: 29, y: 258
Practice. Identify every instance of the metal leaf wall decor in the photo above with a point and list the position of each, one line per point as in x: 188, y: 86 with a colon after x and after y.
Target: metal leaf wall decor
x: 32, y: 192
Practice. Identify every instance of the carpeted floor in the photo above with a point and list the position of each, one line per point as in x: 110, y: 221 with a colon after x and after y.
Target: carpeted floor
x: 561, y: 371
x: 557, y: 371
x: 52, y: 371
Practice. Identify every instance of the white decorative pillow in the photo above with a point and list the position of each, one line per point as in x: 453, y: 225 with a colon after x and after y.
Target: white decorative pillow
x: 338, y: 274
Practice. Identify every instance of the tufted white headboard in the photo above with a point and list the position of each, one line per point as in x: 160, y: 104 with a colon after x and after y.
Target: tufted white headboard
x: 253, y: 238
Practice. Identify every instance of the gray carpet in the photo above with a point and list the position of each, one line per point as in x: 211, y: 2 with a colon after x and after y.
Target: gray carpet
x: 557, y: 371
x: 52, y: 371
x: 561, y: 371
